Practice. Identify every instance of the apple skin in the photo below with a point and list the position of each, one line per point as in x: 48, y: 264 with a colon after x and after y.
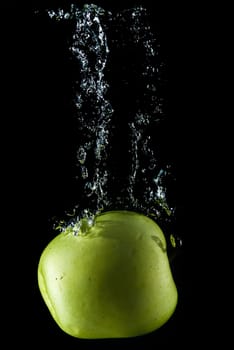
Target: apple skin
x: 114, y: 281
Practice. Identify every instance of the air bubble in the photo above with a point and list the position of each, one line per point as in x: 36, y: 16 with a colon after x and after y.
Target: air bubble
x: 176, y: 241
x: 84, y: 172
x: 81, y: 155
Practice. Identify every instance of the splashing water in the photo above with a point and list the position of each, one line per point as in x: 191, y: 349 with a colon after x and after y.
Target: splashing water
x: 117, y: 161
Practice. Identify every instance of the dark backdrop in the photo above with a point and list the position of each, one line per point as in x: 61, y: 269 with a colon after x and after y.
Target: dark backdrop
x: 38, y: 167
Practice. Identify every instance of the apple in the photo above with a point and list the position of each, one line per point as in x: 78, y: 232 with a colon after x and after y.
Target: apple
x: 112, y: 280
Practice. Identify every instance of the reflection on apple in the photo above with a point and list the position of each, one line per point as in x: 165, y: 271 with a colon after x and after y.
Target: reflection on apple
x: 113, y: 280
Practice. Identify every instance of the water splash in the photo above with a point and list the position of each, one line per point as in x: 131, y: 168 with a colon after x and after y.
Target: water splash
x: 97, y: 37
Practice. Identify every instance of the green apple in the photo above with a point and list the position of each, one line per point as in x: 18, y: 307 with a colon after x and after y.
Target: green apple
x: 113, y: 280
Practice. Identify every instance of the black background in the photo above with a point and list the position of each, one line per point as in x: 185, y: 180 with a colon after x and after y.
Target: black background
x: 37, y: 157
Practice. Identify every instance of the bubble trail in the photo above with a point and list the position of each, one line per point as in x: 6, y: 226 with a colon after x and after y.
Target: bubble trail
x: 97, y: 37
x: 145, y: 188
x: 93, y: 110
